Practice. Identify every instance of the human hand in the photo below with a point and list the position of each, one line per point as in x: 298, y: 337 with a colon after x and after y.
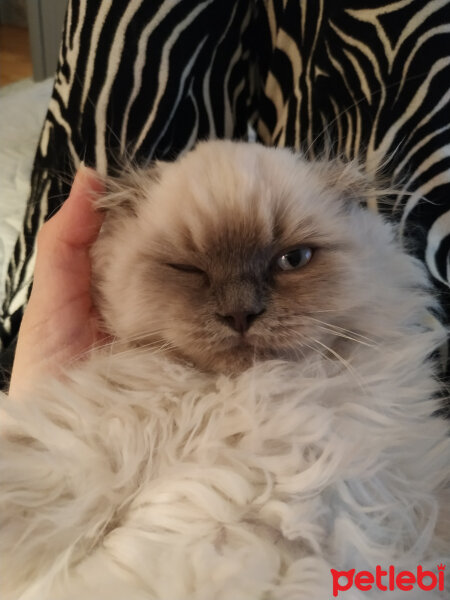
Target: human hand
x: 60, y: 322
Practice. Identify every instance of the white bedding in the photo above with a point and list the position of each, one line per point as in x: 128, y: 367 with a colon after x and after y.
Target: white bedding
x: 23, y: 106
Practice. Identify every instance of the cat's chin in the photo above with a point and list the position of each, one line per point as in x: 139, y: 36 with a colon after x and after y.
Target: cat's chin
x: 235, y: 354
x: 232, y: 360
x: 239, y: 354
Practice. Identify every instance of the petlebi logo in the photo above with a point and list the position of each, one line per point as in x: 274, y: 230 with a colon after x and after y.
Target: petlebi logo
x: 388, y: 579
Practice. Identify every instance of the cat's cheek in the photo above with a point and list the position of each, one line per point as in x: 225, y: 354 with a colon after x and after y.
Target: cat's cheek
x: 292, y: 312
x: 182, y: 299
x: 300, y: 295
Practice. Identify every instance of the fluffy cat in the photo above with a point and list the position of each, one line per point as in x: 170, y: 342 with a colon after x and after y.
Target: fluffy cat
x: 204, y: 238
x: 264, y: 413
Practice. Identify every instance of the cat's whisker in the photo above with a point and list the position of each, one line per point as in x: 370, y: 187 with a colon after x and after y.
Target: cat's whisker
x: 330, y: 360
x: 153, y: 345
x: 327, y: 357
x: 291, y: 346
x: 121, y: 346
x: 356, y: 334
x: 340, y: 334
x: 145, y: 335
x: 296, y: 350
x: 155, y: 350
x: 343, y: 361
x: 316, y: 350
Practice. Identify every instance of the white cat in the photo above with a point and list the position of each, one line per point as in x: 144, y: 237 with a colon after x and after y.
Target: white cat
x: 265, y: 413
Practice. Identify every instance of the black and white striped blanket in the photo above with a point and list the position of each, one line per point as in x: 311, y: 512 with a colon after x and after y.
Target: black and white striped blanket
x: 145, y: 80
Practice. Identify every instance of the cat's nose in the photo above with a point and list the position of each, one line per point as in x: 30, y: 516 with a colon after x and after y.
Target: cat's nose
x: 240, y: 321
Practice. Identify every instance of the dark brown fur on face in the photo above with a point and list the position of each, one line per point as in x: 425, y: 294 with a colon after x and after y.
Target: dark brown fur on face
x: 192, y: 265
x: 238, y: 280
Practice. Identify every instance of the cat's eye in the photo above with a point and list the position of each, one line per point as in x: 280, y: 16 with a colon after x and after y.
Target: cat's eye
x: 185, y: 268
x: 294, y: 259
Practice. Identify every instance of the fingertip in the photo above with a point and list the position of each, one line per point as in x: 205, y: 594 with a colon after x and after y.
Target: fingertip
x: 86, y: 187
x: 88, y: 179
x: 78, y: 222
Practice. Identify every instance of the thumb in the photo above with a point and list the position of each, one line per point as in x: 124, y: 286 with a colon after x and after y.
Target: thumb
x: 62, y: 261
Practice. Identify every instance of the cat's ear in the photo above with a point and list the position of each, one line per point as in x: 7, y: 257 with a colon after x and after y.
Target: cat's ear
x: 126, y: 190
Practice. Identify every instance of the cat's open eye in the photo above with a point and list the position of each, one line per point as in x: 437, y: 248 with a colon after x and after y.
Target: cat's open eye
x: 185, y: 268
x: 294, y: 259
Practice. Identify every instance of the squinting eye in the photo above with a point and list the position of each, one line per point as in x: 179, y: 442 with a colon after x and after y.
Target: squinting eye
x: 185, y: 268
x: 295, y: 259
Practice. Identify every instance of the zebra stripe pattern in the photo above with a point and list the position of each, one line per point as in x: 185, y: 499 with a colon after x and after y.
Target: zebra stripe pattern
x: 374, y: 83
x: 145, y: 80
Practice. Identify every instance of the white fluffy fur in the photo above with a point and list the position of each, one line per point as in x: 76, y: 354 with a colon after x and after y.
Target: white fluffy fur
x: 141, y: 478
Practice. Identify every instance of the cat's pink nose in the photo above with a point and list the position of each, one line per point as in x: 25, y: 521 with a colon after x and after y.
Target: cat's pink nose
x: 240, y: 321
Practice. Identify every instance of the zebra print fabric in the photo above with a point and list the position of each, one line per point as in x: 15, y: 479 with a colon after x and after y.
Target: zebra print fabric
x: 372, y: 79
x: 145, y: 80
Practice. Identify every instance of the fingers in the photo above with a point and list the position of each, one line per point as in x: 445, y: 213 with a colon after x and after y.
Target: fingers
x: 77, y: 223
x: 62, y: 260
x: 59, y: 322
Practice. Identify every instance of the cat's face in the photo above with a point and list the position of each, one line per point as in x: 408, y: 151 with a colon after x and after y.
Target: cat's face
x: 235, y: 253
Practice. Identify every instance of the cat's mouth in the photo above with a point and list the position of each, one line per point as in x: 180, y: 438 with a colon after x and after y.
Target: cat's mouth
x: 244, y: 342
x: 251, y: 346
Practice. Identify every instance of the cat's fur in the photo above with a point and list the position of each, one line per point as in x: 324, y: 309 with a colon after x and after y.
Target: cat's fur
x: 230, y: 209
x: 187, y: 461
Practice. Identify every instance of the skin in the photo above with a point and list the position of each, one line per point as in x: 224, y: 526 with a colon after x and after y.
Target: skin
x: 60, y: 322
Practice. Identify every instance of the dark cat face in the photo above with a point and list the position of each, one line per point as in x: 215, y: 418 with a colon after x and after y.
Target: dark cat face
x: 235, y: 253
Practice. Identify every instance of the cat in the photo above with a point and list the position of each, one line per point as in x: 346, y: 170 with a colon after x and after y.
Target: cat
x: 240, y: 253
x: 264, y: 411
